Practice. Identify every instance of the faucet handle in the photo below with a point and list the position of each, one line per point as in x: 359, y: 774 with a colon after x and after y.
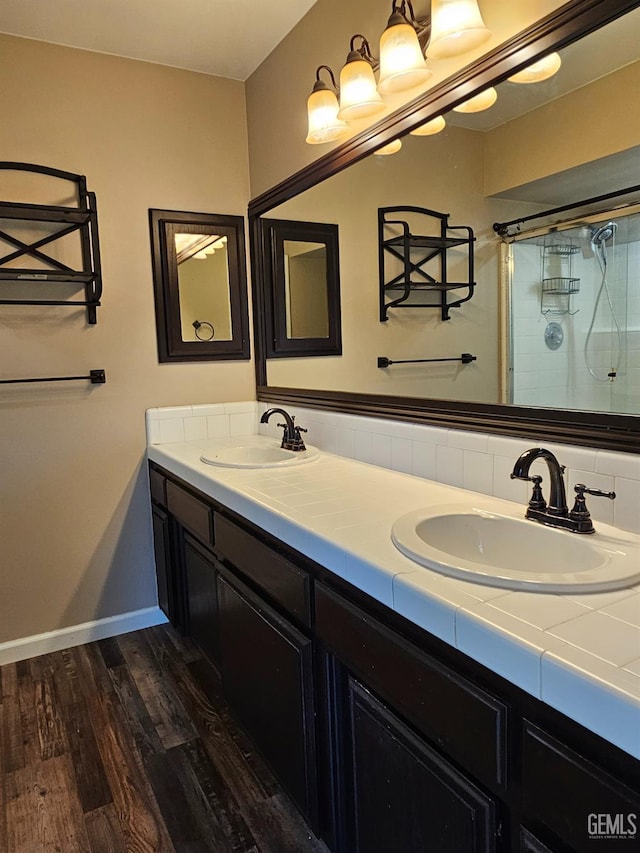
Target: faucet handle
x: 581, y: 490
x: 537, y: 500
x: 580, y: 514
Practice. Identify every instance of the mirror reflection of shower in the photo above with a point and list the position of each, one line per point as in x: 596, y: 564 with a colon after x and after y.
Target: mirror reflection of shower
x: 597, y: 247
x: 574, y: 315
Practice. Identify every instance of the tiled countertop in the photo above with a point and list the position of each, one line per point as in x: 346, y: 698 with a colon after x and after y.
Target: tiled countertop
x: 578, y: 653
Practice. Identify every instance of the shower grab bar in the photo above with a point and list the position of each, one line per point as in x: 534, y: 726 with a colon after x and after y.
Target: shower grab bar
x: 96, y: 377
x: 465, y: 358
x: 502, y: 228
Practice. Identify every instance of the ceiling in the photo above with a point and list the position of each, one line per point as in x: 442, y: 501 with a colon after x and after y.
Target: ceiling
x: 227, y: 38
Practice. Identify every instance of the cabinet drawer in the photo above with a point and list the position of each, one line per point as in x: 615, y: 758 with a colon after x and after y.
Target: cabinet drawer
x: 466, y: 722
x: 566, y: 793
x: 284, y: 582
x: 190, y: 511
x: 157, y: 486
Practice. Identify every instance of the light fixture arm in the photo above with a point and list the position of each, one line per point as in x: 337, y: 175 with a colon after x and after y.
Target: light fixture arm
x: 362, y: 52
x: 320, y: 84
x: 422, y: 26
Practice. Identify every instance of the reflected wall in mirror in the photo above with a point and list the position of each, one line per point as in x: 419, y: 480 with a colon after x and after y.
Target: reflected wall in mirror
x: 541, y: 146
x: 303, y: 289
x: 200, y: 286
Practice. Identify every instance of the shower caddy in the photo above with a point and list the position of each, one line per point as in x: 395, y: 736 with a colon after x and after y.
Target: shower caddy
x: 558, y: 282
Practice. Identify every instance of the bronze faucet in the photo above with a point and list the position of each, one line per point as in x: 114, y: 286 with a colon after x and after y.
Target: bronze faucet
x: 291, y: 438
x: 556, y: 512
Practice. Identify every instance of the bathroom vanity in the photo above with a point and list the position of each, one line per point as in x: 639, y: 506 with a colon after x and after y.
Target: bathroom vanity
x: 386, y: 736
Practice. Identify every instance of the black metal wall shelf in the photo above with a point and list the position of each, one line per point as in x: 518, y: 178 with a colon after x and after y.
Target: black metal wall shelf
x: 423, y: 260
x: 82, y: 219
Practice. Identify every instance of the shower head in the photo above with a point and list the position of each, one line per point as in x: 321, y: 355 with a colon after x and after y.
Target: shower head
x: 600, y: 236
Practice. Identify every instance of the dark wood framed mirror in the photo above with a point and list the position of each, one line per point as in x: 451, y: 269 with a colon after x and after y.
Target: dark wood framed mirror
x: 302, y: 280
x: 200, y: 286
x: 616, y: 429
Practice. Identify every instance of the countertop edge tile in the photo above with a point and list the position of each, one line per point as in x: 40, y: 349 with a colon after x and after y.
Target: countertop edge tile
x: 598, y: 695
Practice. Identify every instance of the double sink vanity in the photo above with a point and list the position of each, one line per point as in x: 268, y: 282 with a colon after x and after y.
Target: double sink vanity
x: 397, y: 648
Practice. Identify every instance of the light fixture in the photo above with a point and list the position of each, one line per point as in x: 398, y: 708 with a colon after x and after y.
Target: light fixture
x: 456, y: 26
x: 537, y: 71
x: 359, y: 96
x: 390, y: 148
x: 429, y: 128
x: 482, y: 101
x: 322, y: 112
x: 402, y: 64
x: 201, y: 255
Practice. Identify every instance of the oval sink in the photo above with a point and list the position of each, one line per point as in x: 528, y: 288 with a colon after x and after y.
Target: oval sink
x: 495, y: 549
x: 267, y: 454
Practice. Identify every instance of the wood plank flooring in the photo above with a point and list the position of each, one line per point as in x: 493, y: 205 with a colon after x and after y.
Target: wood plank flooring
x: 126, y: 746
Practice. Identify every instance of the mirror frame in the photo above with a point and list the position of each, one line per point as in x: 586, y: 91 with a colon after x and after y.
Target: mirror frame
x: 567, y: 24
x: 171, y: 347
x: 278, y: 345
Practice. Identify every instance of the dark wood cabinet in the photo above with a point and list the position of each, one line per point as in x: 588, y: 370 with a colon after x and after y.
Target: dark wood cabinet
x: 202, y: 597
x: 164, y: 563
x: 385, y: 738
x: 267, y: 675
x: 564, y: 793
x: 530, y: 844
x: 405, y: 796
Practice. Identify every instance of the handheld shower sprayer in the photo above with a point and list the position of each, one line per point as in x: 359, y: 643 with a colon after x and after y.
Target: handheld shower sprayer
x: 604, y: 233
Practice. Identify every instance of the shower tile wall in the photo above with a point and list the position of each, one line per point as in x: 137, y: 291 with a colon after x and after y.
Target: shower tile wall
x: 560, y: 378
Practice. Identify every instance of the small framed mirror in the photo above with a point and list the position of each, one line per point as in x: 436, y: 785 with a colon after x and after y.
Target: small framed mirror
x: 303, y: 276
x: 200, y: 286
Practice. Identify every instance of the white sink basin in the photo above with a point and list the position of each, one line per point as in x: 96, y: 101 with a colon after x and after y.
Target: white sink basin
x: 477, y: 544
x: 266, y: 454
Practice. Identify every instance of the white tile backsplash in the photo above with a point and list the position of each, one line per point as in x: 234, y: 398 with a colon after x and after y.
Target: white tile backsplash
x: 480, y: 462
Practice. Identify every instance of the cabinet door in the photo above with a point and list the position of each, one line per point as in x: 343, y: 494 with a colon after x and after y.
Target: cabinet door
x: 405, y: 796
x: 162, y: 550
x: 202, y: 598
x: 530, y: 844
x: 267, y: 680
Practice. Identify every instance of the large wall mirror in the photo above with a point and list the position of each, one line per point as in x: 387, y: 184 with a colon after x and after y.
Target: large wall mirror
x: 554, y: 321
x: 200, y: 286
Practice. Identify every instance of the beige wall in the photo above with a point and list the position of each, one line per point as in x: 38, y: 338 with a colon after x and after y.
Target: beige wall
x: 277, y: 92
x: 585, y: 125
x: 75, y: 537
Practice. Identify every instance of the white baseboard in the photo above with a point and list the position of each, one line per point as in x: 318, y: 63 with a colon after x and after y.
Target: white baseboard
x: 77, y: 635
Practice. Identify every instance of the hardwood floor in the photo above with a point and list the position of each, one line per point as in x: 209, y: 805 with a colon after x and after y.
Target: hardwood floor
x: 115, y: 747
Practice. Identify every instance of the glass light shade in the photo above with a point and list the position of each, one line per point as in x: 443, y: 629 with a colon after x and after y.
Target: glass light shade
x: 541, y: 70
x: 456, y: 27
x: 390, y: 148
x: 359, y: 97
x: 482, y: 101
x: 430, y: 127
x: 322, y: 115
x: 201, y: 256
x: 402, y: 65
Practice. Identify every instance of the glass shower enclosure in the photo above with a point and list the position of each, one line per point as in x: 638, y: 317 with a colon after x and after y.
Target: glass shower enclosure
x: 573, y: 321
